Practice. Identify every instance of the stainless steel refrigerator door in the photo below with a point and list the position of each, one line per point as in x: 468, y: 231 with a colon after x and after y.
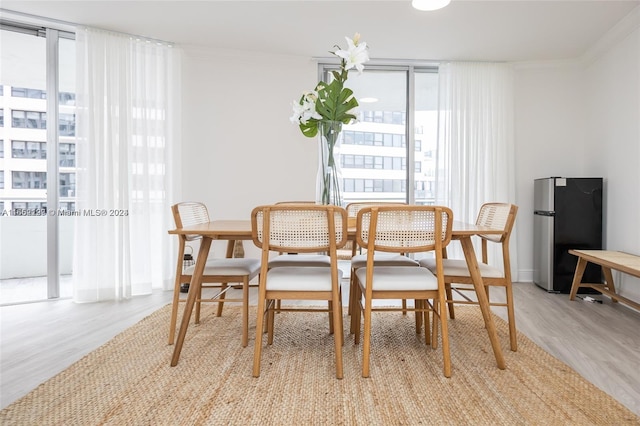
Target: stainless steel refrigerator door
x: 543, y: 251
x: 543, y: 194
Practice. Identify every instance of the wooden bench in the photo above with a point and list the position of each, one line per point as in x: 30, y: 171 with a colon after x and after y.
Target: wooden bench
x: 624, y: 262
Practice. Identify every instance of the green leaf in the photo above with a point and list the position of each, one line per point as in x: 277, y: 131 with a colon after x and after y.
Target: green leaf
x: 310, y: 129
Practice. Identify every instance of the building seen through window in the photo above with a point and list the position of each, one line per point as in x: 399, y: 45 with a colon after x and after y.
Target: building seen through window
x: 23, y: 178
x: 384, y: 154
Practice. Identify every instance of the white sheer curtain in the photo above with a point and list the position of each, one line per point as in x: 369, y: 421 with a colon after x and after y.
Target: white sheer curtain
x: 127, y: 116
x: 476, y: 139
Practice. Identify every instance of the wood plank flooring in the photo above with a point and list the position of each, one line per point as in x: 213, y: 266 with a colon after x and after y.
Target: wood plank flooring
x: 600, y: 341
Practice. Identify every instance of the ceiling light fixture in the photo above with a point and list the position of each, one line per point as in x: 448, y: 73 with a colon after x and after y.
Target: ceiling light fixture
x: 368, y: 100
x: 429, y: 4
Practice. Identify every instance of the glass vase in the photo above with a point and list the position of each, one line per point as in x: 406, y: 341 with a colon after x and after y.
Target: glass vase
x: 329, y: 178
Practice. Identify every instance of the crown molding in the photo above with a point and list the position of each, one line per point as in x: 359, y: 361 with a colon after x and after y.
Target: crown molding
x: 615, y: 35
x: 551, y: 64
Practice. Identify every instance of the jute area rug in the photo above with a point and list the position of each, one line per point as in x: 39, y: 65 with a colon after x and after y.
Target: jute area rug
x: 128, y: 381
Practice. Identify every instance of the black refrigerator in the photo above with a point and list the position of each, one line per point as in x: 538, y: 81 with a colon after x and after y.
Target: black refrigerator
x: 567, y: 215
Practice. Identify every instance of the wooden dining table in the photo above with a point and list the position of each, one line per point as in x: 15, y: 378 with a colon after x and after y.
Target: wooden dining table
x: 238, y: 230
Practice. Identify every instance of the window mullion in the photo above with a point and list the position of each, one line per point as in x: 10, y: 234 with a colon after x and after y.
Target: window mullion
x: 411, y: 135
x: 53, y: 268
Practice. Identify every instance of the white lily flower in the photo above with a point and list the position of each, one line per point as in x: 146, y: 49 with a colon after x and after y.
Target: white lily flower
x: 305, y: 110
x: 332, y: 101
x: 297, y: 113
x: 310, y: 96
x: 355, y: 55
x: 309, y: 113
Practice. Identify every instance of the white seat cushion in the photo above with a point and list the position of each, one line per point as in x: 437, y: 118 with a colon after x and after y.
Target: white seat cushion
x: 399, y: 278
x: 232, y: 266
x: 307, y: 278
x: 458, y: 268
x: 382, y: 259
x: 300, y: 260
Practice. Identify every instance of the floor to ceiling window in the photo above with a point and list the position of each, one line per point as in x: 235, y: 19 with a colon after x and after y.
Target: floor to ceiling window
x: 389, y: 153
x: 37, y: 162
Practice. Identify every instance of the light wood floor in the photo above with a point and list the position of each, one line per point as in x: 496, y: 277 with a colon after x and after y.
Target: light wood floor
x: 600, y: 341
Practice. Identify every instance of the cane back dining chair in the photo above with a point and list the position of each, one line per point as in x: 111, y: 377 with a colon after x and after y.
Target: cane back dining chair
x: 358, y: 258
x: 218, y: 273
x: 298, y: 259
x: 403, y: 229
x: 456, y: 273
x: 352, y: 213
x: 299, y: 228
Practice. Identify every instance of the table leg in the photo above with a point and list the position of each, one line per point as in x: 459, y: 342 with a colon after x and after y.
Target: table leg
x: 231, y: 244
x: 577, y: 277
x: 194, y: 291
x: 483, y: 301
x: 238, y: 249
x: 608, y: 278
x: 232, y: 251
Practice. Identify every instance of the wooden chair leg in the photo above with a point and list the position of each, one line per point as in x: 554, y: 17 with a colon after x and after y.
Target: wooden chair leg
x: 452, y: 314
x: 245, y: 312
x: 351, y: 292
x: 266, y: 325
x: 198, y: 302
x: 356, y: 311
x: 341, y: 317
x: 418, y: 314
x: 223, y: 287
x: 446, y: 354
x: 176, y: 291
x: 331, y: 322
x: 427, y: 328
x: 257, y: 347
x: 366, y: 345
x: 270, y: 322
x: 356, y: 317
x: 337, y: 334
x: 174, y: 313
x: 511, y: 316
x: 437, y: 311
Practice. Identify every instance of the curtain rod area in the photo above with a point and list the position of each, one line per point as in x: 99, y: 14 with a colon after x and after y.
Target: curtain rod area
x: 383, y: 62
x: 25, y: 20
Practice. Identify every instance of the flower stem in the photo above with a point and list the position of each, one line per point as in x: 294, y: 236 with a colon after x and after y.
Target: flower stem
x: 330, y: 191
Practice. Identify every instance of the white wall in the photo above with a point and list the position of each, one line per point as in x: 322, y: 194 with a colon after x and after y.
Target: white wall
x: 549, y: 133
x: 612, y: 85
x: 239, y: 147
